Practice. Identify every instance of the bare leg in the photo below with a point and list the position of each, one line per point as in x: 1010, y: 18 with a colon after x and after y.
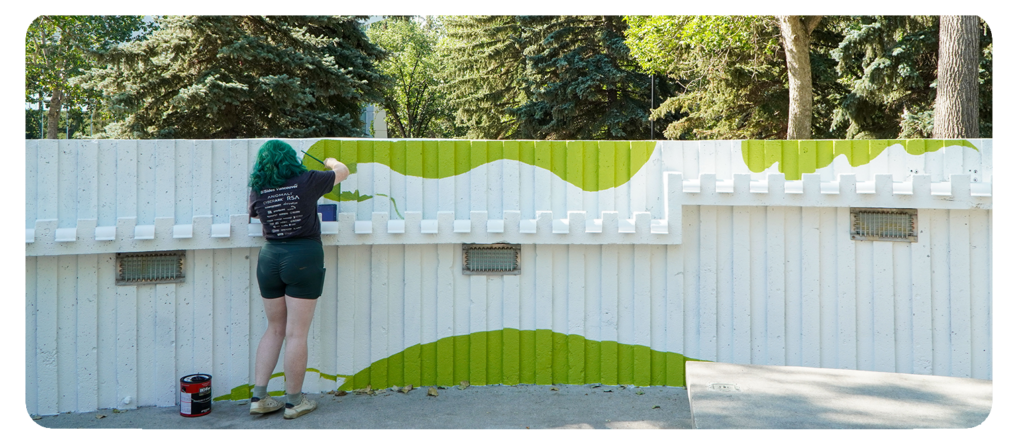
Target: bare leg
x: 300, y: 315
x: 270, y: 345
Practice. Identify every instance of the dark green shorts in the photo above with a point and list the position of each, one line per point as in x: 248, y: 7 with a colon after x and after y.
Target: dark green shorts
x: 292, y: 267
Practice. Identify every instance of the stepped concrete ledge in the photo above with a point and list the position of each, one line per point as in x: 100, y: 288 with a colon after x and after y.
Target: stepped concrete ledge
x: 727, y: 396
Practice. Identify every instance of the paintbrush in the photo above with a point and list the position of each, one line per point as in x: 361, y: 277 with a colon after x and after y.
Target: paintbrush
x: 314, y: 158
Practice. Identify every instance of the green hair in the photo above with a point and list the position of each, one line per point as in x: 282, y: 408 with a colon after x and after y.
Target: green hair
x: 276, y: 162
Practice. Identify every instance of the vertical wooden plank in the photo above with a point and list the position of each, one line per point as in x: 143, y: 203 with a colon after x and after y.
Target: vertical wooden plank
x: 431, y: 172
x: 903, y: 307
x: 88, y: 179
x: 164, y: 331
x: 846, y: 300
x: 625, y: 298
x: 184, y: 313
x: 67, y: 181
x: 708, y: 301
x: 365, y: 320
x: 622, y: 176
x: 146, y: 347
x: 87, y: 323
x: 237, y: 192
x: 47, y: 199
x: 202, y: 177
x: 776, y: 290
x: 675, y: 316
x: 741, y: 295
x: 477, y: 306
x: 543, y: 197
x: 222, y: 348
x: 32, y: 384
x: 883, y: 291
x: 395, y: 310
x: 493, y: 170
x: 865, y: 305
x: 638, y: 159
x: 690, y: 267
x: 940, y: 293
x: 981, y: 294
x: 239, y: 324
x: 606, y: 175
x: 257, y: 316
x: 527, y: 197
x: 428, y: 313
x: 793, y: 283
x: 591, y: 261
x: 510, y: 292
x: 758, y: 285
x: 343, y: 274
x: 412, y: 286
x: 446, y: 313
x: 510, y: 177
x: 829, y: 293
x: 414, y: 180
x: 146, y: 182
x: 642, y: 315
x: 477, y: 178
x: 127, y: 347
x: 721, y: 243
x: 46, y: 334
x: 183, y: 166
x: 379, y: 311
x: 575, y: 174
x: 67, y: 278
x: 203, y: 315
x: 528, y: 306
x: 365, y: 178
x: 577, y: 284
x: 397, y: 179
x: 493, y: 309
x: 106, y: 332
x: 559, y: 313
x: 127, y: 182
x: 381, y: 176
x: 609, y: 313
x: 559, y: 183
x: 446, y: 185
x: 960, y: 292
x: 546, y: 305
x: 462, y: 313
x: 659, y: 315
x: 31, y: 189
x: 810, y: 223
x: 591, y: 176
x: 921, y: 288
x: 706, y: 161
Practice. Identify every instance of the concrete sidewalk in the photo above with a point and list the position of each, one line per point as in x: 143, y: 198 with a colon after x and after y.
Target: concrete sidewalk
x: 757, y: 397
x: 508, y: 407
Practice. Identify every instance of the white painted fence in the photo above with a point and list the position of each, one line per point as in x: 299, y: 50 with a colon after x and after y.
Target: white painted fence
x: 693, y: 256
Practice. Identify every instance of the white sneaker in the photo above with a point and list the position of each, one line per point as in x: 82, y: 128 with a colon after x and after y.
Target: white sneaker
x: 305, y: 407
x: 264, y: 406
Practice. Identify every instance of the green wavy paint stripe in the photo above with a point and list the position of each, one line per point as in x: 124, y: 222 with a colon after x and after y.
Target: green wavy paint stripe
x: 511, y: 357
x: 795, y: 158
x: 590, y: 165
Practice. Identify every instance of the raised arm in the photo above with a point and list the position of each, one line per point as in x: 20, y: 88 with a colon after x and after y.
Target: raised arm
x: 340, y: 170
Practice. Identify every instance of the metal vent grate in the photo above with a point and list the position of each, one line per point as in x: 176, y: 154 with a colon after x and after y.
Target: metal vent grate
x: 883, y: 224
x: 490, y: 259
x: 150, y: 267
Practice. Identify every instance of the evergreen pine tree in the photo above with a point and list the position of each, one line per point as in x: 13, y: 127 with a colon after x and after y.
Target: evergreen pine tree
x: 241, y: 76
x: 581, y: 82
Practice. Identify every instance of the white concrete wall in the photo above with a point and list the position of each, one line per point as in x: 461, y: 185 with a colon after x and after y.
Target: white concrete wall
x: 746, y: 268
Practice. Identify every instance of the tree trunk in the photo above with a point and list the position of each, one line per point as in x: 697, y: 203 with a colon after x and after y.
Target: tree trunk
x: 796, y: 33
x: 956, y: 100
x: 53, y: 114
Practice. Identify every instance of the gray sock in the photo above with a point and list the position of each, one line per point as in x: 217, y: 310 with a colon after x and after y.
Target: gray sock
x: 295, y: 399
x: 259, y: 392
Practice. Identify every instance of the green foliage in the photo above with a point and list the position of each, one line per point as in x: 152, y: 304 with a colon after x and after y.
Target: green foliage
x: 416, y: 105
x: 58, y: 48
x: 889, y: 66
x: 581, y: 82
x: 241, y: 76
x: 483, y: 71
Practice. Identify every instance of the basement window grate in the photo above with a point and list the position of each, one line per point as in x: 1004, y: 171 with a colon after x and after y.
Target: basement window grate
x: 490, y: 259
x: 879, y: 224
x: 150, y: 267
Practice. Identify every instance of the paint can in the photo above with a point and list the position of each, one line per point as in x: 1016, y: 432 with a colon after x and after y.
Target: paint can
x: 196, y: 395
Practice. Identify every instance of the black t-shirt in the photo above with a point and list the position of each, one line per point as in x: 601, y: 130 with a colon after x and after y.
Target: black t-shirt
x: 290, y: 211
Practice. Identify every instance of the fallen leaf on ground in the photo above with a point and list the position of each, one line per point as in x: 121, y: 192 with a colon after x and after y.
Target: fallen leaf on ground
x: 554, y: 388
x: 608, y: 391
x: 100, y: 416
x: 639, y: 393
x: 367, y: 390
x: 656, y: 407
x: 406, y: 389
x: 329, y: 392
x: 341, y: 393
x: 432, y: 392
x: 596, y: 386
x: 37, y: 417
x: 117, y: 411
x: 464, y: 384
x: 394, y: 388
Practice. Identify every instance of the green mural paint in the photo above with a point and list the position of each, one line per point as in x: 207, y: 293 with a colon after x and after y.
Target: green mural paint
x: 540, y: 357
x: 796, y: 158
x: 590, y: 165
